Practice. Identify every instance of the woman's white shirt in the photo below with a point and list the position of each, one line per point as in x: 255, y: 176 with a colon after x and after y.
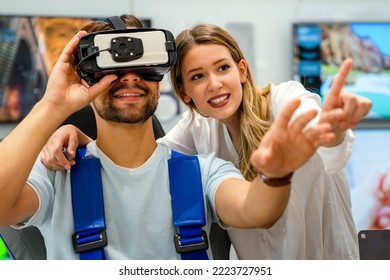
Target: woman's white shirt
x: 317, y: 223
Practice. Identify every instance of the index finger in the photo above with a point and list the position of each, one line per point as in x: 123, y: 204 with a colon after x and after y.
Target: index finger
x: 339, y: 81
x: 66, y: 55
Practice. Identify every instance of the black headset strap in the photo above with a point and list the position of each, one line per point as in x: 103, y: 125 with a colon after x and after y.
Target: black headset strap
x: 116, y: 22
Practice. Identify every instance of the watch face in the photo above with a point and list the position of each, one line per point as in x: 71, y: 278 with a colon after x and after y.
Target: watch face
x: 5, y: 253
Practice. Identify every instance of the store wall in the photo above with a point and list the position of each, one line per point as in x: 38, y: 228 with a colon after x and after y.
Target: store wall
x: 267, y: 23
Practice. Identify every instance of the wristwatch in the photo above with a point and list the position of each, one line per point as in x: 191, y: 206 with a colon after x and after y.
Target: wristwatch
x: 276, y: 182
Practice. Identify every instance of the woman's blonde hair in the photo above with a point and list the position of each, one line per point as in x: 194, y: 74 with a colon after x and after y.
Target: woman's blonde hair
x: 253, y: 112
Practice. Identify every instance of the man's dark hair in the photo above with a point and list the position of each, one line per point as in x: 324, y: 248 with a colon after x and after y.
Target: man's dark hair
x: 129, y: 20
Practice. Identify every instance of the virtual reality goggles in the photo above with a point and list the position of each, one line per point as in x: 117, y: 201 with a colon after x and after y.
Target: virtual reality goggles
x: 149, y: 52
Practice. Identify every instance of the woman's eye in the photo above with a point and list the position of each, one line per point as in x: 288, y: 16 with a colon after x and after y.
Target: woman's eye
x: 224, y: 67
x: 197, y: 77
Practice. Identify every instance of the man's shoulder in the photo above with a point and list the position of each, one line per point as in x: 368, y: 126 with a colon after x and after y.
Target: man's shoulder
x: 212, y: 164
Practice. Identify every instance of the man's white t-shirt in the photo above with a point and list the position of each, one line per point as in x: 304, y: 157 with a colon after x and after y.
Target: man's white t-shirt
x: 137, y: 205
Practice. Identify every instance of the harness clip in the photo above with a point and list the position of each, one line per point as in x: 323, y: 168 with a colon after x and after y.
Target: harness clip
x: 204, y: 245
x: 88, y: 246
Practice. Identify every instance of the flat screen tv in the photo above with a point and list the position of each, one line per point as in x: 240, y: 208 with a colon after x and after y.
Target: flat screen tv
x: 29, y: 47
x: 319, y: 49
x: 369, y: 175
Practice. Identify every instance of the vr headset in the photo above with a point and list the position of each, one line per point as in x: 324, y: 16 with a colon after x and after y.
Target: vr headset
x: 149, y: 52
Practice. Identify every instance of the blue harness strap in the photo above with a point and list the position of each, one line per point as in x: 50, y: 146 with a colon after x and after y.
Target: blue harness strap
x: 89, y: 238
x: 188, y: 213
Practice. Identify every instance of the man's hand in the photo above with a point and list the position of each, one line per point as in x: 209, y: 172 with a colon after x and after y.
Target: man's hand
x: 65, y: 92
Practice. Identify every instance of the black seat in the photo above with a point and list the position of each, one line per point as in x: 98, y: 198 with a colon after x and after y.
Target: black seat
x: 374, y: 244
x: 25, y: 244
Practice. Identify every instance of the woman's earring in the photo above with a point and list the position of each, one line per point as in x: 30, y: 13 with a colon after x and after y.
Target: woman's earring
x: 187, y: 99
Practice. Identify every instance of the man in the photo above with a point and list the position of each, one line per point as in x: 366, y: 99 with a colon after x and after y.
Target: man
x: 134, y: 168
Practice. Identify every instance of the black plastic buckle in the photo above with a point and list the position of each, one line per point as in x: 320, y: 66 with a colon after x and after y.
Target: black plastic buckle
x: 204, y: 245
x: 80, y: 248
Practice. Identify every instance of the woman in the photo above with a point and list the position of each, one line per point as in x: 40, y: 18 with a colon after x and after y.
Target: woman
x: 229, y: 115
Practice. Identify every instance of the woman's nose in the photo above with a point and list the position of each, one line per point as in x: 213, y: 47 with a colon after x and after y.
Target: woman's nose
x: 214, y: 83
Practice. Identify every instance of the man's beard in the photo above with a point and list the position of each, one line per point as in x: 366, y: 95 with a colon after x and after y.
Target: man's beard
x: 131, y: 115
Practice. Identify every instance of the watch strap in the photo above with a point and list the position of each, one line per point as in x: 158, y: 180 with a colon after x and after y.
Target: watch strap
x: 276, y: 182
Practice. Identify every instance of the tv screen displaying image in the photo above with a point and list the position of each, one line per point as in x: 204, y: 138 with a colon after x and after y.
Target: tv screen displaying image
x: 369, y: 175
x: 29, y: 47
x: 320, y: 48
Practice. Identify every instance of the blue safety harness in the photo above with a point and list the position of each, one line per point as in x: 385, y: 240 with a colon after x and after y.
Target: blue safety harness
x: 90, y: 238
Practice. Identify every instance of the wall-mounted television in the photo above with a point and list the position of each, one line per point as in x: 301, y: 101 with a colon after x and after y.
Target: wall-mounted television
x: 369, y: 175
x: 319, y: 49
x: 29, y: 47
